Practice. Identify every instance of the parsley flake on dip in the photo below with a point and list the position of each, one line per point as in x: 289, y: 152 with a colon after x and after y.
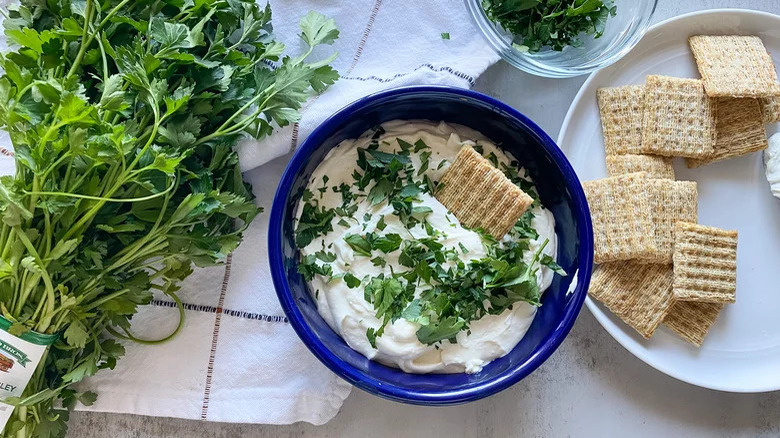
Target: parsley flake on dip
x: 396, y: 275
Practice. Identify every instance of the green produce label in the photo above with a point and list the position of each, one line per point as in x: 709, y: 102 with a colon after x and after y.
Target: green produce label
x: 14, y: 352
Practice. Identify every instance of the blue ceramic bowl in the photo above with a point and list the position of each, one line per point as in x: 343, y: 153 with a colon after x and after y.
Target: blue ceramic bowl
x: 558, y: 187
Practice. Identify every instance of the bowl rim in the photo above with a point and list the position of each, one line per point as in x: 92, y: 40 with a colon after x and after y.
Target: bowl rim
x: 364, y: 380
x: 523, y: 62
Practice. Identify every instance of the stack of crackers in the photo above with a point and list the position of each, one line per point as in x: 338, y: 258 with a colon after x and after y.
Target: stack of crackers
x: 657, y: 264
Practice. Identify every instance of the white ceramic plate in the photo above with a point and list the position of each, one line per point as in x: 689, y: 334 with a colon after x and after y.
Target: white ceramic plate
x: 742, y: 351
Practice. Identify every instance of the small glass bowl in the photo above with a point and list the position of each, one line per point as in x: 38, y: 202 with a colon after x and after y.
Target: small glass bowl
x: 623, y: 32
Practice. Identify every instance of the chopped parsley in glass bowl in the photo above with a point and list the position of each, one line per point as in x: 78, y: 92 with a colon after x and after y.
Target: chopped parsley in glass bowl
x: 562, y: 38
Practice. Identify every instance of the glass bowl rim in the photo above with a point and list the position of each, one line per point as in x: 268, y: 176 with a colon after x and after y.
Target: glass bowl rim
x: 523, y: 62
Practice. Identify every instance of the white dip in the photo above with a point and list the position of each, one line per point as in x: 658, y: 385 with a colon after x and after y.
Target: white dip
x: 772, y: 163
x: 346, y: 310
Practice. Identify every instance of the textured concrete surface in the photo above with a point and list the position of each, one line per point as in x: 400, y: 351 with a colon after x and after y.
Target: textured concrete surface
x: 590, y: 387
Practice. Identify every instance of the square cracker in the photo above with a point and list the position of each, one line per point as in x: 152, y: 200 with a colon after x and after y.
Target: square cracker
x: 705, y: 264
x: 655, y: 166
x: 679, y: 118
x: 639, y: 294
x: 770, y: 108
x: 670, y: 202
x: 620, y: 210
x: 735, y: 66
x: 691, y: 320
x: 621, y: 118
x: 480, y: 195
x: 740, y: 130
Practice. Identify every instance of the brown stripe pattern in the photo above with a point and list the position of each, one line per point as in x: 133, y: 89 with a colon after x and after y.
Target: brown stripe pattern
x: 215, y: 339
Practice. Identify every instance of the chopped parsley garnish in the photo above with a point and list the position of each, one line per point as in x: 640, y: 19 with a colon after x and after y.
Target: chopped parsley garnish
x: 351, y: 280
x: 381, y: 225
x: 381, y: 191
x: 433, y: 287
x: 308, y: 268
x: 363, y: 245
x: 410, y: 191
x: 327, y: 257
x: 388, y: 243
x: 405, y: 146
x: 550, y: 23
x: 493, y: 159
x: 525, y: 184
x: 548, y: 261
x: 359, y: 244
x: 314, y: 222
x: 425, y: 158
x: 445, y: 35
x: 346, y: 195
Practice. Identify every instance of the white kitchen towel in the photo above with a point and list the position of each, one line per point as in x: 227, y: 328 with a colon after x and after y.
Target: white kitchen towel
x: 382, y: 44
x: 237, y: 359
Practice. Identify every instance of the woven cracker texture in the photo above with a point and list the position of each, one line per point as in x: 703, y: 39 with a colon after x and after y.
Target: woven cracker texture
x: 740, y: 130
x: 639, y: 294
x: 671, y: 202
x: 735, y: 66
x: 692, y: 321
x: 620, y: 210
x: 679, y: 118
x: 705, y: 264
x: 480, y: 195
x: 621, y: 118
x: 655, y: 166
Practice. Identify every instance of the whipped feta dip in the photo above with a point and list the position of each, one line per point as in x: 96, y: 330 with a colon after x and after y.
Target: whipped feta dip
x: 344, y: 305
x: 772, y: 164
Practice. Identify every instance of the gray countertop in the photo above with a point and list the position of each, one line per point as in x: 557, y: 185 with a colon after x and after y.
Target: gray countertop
x: 590, y: 387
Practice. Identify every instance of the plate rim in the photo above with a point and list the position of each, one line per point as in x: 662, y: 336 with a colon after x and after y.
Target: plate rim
x: 617, y: 333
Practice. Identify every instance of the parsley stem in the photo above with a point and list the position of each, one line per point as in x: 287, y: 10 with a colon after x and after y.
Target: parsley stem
x: 104, y: 199
x: 83, y: 49
x: 50, y: 297
x: 219, y: 132
x: 84, y: 42
x: 131, y: 337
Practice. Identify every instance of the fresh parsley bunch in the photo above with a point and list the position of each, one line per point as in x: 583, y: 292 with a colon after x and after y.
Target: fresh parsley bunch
x: 124, y: 116
x: 550, y: 23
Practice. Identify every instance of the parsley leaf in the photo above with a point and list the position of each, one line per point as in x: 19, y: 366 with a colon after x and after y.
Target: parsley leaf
x: 381, y: 225
x: 308, y: 268
x: 388, y: 243
x: 351, y: 280
x: 359, y: 244
x: 447, y: 328
x: 549, y: 262
x: 380, y: 192
x: 314, y: 222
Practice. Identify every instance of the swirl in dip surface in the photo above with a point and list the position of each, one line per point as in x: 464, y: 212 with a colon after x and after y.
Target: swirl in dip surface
x: 363, y: 252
